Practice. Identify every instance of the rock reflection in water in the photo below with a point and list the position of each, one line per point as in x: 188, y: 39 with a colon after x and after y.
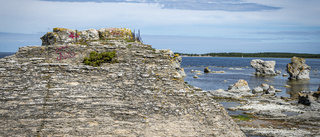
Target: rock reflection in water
x: 297, y: 86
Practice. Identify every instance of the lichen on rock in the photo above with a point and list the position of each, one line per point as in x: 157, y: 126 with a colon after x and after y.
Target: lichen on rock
x: 298, y: 69
x: 240, y: 86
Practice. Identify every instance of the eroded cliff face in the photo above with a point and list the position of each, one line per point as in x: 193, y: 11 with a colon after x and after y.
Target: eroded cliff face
x: 47, y: 90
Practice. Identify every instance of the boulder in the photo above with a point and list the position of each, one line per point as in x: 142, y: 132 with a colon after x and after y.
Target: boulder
x: 89, y: 35
x: 60, y: 36
x: 265, y: 87
x: 257, y: 90
x: 278, y: 72
x: 207, y: 70
x: 316, y: 94
x: 271, y: 90
x: 195, y: 76
x: 263, y: 67
x: 240, y: 86
x: 298, y: 69
x: 304, y: 98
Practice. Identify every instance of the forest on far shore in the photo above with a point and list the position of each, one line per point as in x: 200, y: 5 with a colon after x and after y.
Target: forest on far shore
x: 263, y: 55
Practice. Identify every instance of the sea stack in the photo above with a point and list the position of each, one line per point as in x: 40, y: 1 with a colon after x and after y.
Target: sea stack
x: 79, y: 83
x: 263, y: 67
x: 298, y: 69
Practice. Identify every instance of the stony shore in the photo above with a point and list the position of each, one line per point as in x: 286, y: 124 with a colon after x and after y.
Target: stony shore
x: 272, y: 115
x: 45, y: 94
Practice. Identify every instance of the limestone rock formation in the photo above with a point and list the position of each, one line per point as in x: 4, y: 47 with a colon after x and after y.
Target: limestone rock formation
x: 257, y: 90
x: 62, y: 36
x: 240, y: 86
x: 298, y: 69
x: 263, y: 67
x: 48, y: 91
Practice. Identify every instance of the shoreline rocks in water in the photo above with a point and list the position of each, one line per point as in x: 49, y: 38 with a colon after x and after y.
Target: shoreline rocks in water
x: 235, y: 91
x: 206, y: 70
x: 263, y: 67
x: 298, y: 69
x: 240, y: 86
x: 266, y: 107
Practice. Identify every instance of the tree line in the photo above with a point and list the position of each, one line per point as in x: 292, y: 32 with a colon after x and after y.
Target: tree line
x: 263, y: 55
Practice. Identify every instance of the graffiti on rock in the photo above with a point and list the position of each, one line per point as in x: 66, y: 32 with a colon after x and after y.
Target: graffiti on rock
x: 64, y: 53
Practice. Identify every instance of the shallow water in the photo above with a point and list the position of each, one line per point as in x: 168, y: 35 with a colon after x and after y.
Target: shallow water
x: 239, y: 68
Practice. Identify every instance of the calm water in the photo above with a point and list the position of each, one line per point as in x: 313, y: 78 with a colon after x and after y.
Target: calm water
x: 4, y: 54
x: 239, y: 68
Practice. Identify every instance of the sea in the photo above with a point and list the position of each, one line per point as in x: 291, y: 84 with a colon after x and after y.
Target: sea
x: 4, y: 54
x: 239, y: 68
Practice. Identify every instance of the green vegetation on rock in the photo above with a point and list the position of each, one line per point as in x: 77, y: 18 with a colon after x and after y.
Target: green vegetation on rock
x: 96, y: 59
x: 242, y: 117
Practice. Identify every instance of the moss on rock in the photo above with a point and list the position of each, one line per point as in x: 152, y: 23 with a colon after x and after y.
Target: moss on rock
x: 96, y: 59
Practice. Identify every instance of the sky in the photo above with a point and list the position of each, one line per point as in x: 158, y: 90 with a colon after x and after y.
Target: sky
x: 185, y: 26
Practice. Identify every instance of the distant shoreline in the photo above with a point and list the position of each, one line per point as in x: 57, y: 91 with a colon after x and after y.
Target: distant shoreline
x: 253, y: 55
x: 4, y: 54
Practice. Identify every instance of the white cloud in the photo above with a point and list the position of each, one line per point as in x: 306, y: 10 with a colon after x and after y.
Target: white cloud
x: 31, y: 16
x: 34, y: 16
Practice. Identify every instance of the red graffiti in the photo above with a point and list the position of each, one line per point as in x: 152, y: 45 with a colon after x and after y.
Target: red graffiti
x: 73, y: 35
x: 64, y: 52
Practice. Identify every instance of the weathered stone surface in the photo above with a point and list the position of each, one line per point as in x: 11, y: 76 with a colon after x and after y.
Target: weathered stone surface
x: 240, y: 86
x: 303, y: 98
x: 257, y: 90
x: 62, y: 36
x: 263, y: 67
x: 221, y: 93
x: 271, y: 90
x: 265, y: 87
x: 298, y: 69
x: 43, y: 92
x: 310, y: 99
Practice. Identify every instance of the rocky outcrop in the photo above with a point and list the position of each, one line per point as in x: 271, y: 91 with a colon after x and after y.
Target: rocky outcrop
x: 310, y: 99
x: 240, y: 86
x: 257, y: 90
x: 263, y: 67
x: 47, y: 90
x: 304, y: 98
x: 62, y: 36
x: 298, y: 69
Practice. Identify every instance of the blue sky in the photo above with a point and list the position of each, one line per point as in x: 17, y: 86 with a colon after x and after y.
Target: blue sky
x: 189, y: 26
